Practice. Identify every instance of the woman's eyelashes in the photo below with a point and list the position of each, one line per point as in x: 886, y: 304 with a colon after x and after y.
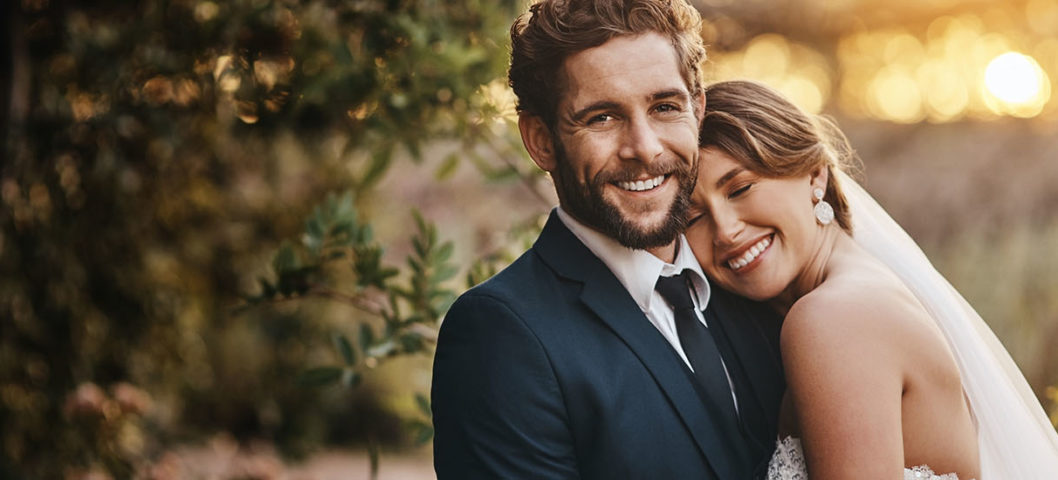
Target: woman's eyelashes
x: 739, y: 191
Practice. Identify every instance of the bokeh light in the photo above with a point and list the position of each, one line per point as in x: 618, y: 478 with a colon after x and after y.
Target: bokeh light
x: 798, y: 71
x: 1016, y: 85
x: 895, y: 95
x: 957, y: 67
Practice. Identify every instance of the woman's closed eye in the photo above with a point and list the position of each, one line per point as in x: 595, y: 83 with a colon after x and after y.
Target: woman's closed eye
x: 740, y: 191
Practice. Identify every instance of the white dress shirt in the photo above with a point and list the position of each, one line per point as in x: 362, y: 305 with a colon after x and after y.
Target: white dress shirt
x: 638, y: 271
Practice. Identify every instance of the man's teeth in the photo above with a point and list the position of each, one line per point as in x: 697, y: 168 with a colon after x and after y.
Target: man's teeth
x: 640, y: 185
x: 750, y: 254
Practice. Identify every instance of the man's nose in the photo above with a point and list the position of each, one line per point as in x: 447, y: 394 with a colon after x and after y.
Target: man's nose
x: 641, y: 141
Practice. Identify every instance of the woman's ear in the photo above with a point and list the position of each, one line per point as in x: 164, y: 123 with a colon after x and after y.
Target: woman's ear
x: 538, y: 141
x: 820, y: 176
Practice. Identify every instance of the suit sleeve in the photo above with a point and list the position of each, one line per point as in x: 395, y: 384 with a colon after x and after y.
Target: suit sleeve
x: 497, y: 408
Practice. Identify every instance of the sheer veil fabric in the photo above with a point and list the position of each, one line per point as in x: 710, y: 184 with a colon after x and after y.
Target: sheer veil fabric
x: 1017, y: 440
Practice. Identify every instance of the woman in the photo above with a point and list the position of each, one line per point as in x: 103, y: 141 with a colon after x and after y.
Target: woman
x: 888, y: 371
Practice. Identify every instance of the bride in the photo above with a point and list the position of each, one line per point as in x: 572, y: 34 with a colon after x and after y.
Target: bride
x: 889, y: 371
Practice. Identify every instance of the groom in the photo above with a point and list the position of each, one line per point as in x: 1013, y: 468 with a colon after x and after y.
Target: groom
x: 577, y: 361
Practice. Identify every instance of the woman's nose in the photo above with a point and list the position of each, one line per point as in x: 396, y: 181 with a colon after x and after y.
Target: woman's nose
x: 728, y: 226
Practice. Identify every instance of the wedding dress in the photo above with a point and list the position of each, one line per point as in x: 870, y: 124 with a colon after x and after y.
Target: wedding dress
x: 788, y: 463
x: 1015, y: 438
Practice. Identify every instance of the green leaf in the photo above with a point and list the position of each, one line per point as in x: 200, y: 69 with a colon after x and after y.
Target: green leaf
x: 344, y: 208
x: 345, y: 348
x: 444, y: 272
x: 411, y: 342
x: 380, y: 162
x: 423, y: 432
x: 415, y: 266
x: 444, y: 253
x: 414, y: 149
x: 383, y: 349
x: 367, y: 337
x: 320, y: 376
x: 448, y: 167
x: 367, y: 234
x: 314, y: 233
x: 350, y: 378
x: 424, y: 404
x: 285, y: 259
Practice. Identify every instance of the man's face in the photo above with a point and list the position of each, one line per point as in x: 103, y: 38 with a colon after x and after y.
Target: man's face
x: 626, y: 141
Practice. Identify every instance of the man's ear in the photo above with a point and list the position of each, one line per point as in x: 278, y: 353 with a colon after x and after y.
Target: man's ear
x: 537, y: 140
x: 699, y: 107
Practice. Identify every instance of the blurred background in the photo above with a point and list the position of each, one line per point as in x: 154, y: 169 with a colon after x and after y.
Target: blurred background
x: 228, y: 229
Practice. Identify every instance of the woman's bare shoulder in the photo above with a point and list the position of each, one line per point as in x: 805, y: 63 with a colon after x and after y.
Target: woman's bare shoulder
x: 857, y: 314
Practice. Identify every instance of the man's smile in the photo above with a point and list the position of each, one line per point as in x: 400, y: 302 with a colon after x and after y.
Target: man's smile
x: 642, y: 185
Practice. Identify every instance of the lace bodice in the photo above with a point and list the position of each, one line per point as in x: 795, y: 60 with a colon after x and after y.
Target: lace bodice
x: 788, y: 463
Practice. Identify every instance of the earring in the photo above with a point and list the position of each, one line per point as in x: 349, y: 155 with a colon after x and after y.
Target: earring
x: 824, y: 212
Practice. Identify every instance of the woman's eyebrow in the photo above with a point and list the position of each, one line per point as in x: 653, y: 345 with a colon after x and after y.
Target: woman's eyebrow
x: 728, y: 176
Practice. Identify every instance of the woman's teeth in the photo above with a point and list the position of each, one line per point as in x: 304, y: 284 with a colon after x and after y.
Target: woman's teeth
x: 750, y: 254
x: 640, y: 185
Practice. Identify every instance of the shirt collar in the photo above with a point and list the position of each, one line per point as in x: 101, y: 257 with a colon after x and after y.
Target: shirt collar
x: 638, y: 270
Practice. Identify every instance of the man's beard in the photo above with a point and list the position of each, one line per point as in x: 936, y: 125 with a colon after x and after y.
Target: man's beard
x: 585, y: 202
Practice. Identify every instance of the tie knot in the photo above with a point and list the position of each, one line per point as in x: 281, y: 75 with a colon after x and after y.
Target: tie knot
x: 676, y: 291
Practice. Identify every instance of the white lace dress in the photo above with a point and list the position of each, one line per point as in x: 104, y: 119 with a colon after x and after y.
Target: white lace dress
x: 788, y: 463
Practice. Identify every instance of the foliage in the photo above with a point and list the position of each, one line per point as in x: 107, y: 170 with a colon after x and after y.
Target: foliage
x: 155, y: 151
x: 336, y: 239
x: 410, y: 313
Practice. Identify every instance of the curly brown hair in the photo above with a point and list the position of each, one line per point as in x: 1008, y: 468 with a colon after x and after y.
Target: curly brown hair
x: 771, y: 136
x: 552, y: 30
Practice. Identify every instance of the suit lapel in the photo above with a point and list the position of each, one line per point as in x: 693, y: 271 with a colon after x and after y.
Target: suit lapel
x: 608, y: 299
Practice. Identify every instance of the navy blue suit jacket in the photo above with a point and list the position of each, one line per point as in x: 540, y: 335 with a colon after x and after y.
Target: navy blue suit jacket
x: 550, y: 370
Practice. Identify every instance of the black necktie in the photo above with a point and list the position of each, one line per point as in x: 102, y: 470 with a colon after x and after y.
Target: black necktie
x: 697, y: 342
x: 750, y: 414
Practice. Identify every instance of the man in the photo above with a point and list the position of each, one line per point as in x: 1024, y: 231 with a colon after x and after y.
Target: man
x: 570, y: 363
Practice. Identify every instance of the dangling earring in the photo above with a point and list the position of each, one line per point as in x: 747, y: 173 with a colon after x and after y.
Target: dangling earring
x: 824, y: 212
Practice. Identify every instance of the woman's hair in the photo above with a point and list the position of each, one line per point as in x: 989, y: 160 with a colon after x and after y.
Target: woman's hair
x: 553, y: 30
x: 770, y: 136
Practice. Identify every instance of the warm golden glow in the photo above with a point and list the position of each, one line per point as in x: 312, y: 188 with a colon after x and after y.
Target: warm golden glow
x: 797, y: 71
x: 895, y: 95
x: 1016, y: 84
x: 960, y: 67
x: 947, y: 98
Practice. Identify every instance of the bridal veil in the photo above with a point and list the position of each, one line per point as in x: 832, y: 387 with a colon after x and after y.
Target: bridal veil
x: 1016, y: 439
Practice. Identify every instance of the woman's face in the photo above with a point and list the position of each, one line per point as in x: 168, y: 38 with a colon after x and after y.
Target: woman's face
x: 753, y: 235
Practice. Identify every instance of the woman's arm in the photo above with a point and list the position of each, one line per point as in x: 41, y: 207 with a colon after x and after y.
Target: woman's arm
x: 845, y: 375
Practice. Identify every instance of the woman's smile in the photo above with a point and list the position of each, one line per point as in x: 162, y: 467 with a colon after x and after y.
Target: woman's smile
x: 749, y: 258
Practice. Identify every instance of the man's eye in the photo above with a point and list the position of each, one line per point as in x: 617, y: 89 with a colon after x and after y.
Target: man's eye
x: 668, y: 107
x: 600, y: 118
x: 738, y: 192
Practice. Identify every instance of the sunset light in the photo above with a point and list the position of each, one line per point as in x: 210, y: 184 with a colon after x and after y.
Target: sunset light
x: 1016, y: 85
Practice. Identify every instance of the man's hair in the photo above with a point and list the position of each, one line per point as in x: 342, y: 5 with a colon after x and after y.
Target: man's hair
x: 771, y: 136
x: 553, y: 30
